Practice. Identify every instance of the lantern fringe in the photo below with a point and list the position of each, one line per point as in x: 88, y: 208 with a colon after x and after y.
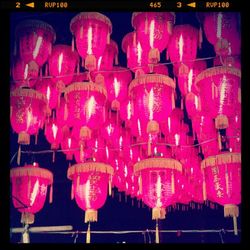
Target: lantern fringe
x: 156, y: 213
x: 87, y: 86
x: 153, y: 127
x: 72, y: 191
x: 51, y: 193
x: 149, y: 78
x: 221, y: 159
x: 90, y: 215
x: 215, y: 71
x: 21, y: 92
x: 23, y: 138
x: 204, y: 190
x: 157, y: 240
x: 231, y: 210
x: 115, y: 105
x: 140, y: 184
x: 154, y: 55
x: 219, y: 141
x: 31, y: 171
x: 221, y: 122
x: 90, y: 62
x: 85, y: 133
x: 88, y: 167
x: 157, y: 163
x: 88, y: 234
x: 19, y: 155
x: 27, y: 218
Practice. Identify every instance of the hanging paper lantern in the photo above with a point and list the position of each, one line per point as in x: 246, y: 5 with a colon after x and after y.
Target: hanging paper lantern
x: 24, y: 74
x: 53, y: 133
x: 86, y: 107
x: 192, y: 103
x: 89, y: 187
x: 219, y: 93
x: 153, y: 30
x: 92, y: 32
x: 27, y: 112
x: 182, y: 48
x: 126, y: 112
x: 29, y: 189
x: 136, y: 55
x: 223, y: 182
x: 45, y: 86
x: 62, y: 65
x: 62, y: 113
x: 110, y: 54
x: 35, y: 41
x: 153, y: 100
x: 222, y: 31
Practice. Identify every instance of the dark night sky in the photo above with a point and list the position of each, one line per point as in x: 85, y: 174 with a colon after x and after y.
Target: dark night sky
x: 114, y: 215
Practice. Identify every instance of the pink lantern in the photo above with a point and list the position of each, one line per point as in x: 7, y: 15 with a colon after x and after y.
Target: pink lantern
x: 136, y: 56
x: 24, y: 74
x: 153, y: 30
x: 62, y: 64
x: 192, y: 102
x: 35, y: 41
x: 67, y: 144
x: 220, y: 93
x: 89, y: 187
x: 153, y: 100
x: 29, y: 189
x: 110, y: 54
x: 86, y: 107
x: 45, y: 86
x: 92, y: 32
x: 233, y: 133
x: 126, y: 112
x: 27, y: 112
x: 223, y: 182
x: 53, y: 133
x: 182, y: 48
x: 222, y: 30
x: 62, y: 113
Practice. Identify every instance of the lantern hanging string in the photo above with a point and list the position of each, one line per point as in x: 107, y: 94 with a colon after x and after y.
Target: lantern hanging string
x: 122, y: 70
x: 114, y: 149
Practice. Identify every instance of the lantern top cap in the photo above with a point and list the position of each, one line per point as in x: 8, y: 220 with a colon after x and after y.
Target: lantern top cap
x: 34, y: 171
x: 225, y: 158
x: 85, y: 86
x: 90, y: 15
x: 157, y: 163
x: 35, y: 24
x: 210, y: 72
x: 89, y: 167
x: 27, y: 92
x: 169, y: 16
x: 152, y: 78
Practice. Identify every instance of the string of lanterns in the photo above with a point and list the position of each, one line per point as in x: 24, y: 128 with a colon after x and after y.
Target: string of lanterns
x: 122, y: 125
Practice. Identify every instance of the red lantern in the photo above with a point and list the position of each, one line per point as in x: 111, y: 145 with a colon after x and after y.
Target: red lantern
x: 223, y: 182
x: 92, y: 32
x: 29, y: 189
x: 89, y: 187
x: 222, y: 30
x: 35, y: 41
x: 27, y: 112
x: 153, y: 30
x: 68, y: 143
x: 62, y: 64
x: 86, y: 107
x: 220, y: 93
x: 24, y: 74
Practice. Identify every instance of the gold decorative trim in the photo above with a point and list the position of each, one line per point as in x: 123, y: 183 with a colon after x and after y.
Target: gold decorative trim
x: 32, y: 24
x: 28, y: 93
x: 85, y: 86
x: 88, y: 167
x: 215, y: 71
x: 221, y: 159
x: 157, y: 163
x: 32, y: 171
x: 151, y: 78
x: 87, y: 15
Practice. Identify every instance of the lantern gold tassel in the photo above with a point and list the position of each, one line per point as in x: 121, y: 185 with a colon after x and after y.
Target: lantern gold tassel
x: 88, y: 234
x: 172, y: 183
x: 153, y: 127
x: 154, y: 55
x: 156, y: 213
x: 27, y: 218
x: 110, y: 187
x: 90, y: 62
x: 219, y: 141
x: 90, y: 215
x: 157, y: 240
x: 221, y: 122
x: 72, y: 191
x: 51, y: 194
x: 19, y: 155
x: 231, y: 210
x: 235, y: 225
